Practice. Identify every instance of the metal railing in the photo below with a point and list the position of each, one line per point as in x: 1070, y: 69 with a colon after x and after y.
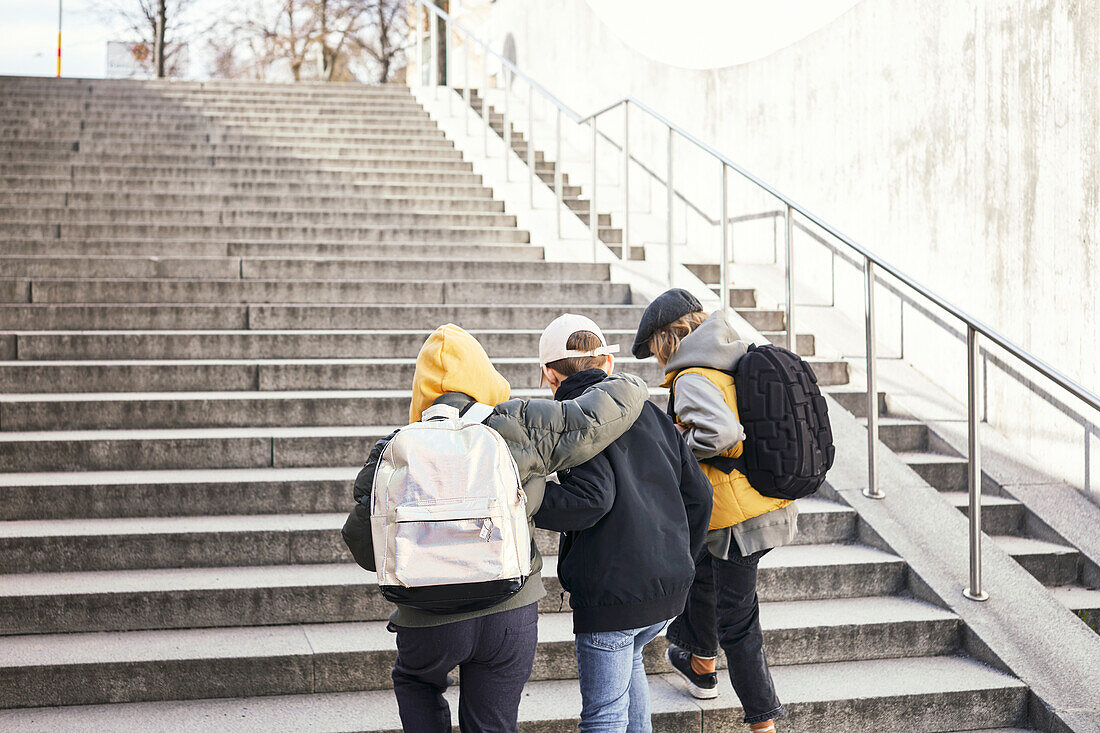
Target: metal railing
x: 975, y: 329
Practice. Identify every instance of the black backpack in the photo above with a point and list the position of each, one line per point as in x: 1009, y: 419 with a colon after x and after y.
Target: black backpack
x: 788, y: 444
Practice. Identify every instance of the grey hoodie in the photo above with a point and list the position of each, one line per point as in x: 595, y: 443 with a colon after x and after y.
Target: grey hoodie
x: 715, y: 429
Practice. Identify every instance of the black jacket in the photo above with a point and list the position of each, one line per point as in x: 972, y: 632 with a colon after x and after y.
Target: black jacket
x: 633, y: 519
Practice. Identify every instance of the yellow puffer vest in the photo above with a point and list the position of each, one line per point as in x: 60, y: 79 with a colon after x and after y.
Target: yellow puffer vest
x: 735, y: 500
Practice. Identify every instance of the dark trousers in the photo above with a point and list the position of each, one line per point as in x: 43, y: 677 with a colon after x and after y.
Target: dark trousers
x: 494, y: 655
x: 723, y: 610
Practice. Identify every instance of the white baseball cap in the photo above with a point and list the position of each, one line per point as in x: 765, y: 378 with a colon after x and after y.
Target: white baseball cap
x: 556, y: 335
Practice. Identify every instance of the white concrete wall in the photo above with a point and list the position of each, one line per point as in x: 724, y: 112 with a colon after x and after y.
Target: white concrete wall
x: 959, y: 140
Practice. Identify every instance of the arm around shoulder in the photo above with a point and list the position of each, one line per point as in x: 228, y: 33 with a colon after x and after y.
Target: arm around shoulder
x: 568, y: 433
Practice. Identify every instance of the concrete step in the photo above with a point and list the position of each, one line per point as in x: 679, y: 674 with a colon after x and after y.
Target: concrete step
x: 211, y: 106
x: 805, y: 343
x: 181, y: 316
x: 380, y: 250
x: 1000, y: 515
x: 386, y: 160
x: 335, y: 360
x: 87, y: 203
x: 77, y: 126
x: 116, y: 494
x: 225, y: 186
x: 901, y: 434
x: 138, y: 223
x: 179, y: 598
x: 290, y: 232
x: 28, y: 413
x: 855, y: 401
x: 135, y: 290
x: 294, y: 268
x: 72, y: 133
x: 1050, y: 563
x: 240, y: 144
x: 212, y: 448
x: 763, y: 319
x: 147, y: 665
x: 197, y: 375
x: 1082, y: 600
x: 944, y: 472
x: 926, y: 694
x: 119, y: 494
x: 127, y: 174
x: 89, y: 544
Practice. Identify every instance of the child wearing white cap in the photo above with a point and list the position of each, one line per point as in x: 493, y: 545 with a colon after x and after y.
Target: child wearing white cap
x: 633, y: 518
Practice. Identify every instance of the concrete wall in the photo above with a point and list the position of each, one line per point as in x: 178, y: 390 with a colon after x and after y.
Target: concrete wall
x: 958, y: 139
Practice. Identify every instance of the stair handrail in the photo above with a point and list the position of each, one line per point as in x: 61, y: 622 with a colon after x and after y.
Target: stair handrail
x: 975, y: 328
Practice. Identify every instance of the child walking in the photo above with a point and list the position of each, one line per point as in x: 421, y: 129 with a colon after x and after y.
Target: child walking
x: 699, y: 353
x: 494, y: 646
x: 633, y: 518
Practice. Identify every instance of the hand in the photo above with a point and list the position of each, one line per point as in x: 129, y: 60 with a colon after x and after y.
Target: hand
x: 682, y: 428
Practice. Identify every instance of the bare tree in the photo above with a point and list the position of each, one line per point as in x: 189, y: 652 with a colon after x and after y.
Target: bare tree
x: 342, y: 37
x: 388, y: 30
x: 140, y: 17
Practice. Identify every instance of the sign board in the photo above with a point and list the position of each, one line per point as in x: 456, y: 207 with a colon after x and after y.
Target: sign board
x: 134, y: 60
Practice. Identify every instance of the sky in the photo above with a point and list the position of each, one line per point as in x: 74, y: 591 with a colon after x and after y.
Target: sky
x: 736, y: 31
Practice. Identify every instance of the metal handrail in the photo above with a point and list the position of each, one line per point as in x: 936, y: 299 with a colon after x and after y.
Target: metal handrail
x: 871, y: 261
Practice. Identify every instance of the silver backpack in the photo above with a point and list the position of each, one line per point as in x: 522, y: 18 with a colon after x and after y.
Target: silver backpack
x: 448, y: 514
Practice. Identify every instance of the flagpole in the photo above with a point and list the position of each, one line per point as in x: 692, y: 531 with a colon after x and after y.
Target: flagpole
x: 59, y: 39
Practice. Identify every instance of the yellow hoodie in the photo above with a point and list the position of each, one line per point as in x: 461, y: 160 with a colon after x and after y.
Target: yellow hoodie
x: 452, y: 360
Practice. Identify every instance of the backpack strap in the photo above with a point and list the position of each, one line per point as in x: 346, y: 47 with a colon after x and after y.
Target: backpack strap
x: 726, y: 464
x: 436, y: 412
x: 476, y: 413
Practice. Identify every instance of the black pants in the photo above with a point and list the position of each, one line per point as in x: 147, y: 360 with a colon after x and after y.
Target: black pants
x: 494, y: 655
x: 722, y: 610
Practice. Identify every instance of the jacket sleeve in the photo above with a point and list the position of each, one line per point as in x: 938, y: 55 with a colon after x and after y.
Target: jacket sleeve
x: 713, y: 427
x: 548, y: 436
x: 357, y: 532
x: 582, y: 498
x: 698, y: 496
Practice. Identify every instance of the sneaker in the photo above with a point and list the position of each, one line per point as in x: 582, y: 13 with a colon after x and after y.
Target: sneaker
x: 701, y: 686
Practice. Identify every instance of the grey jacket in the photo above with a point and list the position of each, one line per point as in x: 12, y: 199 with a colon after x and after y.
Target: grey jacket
x: 543, y: 436
x: 715, y: 344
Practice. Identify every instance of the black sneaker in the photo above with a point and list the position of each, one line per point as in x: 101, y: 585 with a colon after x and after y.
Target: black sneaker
x: 702, y: 686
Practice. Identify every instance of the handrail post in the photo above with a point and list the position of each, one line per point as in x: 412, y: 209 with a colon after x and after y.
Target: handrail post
x: 466, y: 81
x: 790, y: 280
x: 531, y: 144
x: 872, y: 491
x: 448, y: 82
x: 419, y: 45
x: 974, y: 591
x: 485, y: 124
x: 625, y: 254
x: 557, y: 170
x: 723, y: 269
x: 671, y: 259
x: 433, y: 35
x: 593, y: 218
x: 506, y: 126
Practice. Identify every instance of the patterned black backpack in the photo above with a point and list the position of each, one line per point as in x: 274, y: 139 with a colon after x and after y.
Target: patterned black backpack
x: 788, y: 444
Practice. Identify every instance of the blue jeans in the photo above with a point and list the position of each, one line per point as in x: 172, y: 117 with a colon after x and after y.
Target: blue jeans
x: 614, y: 688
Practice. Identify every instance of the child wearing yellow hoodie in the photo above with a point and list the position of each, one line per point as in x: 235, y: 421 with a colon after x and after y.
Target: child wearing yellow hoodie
x: 495, y: 647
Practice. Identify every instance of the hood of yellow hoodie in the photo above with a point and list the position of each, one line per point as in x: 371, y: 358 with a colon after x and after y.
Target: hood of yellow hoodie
x: 452, y: 360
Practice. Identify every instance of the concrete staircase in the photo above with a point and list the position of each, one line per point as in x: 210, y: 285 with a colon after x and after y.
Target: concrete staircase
x: 1018, y: 530
x: 212, y: 298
